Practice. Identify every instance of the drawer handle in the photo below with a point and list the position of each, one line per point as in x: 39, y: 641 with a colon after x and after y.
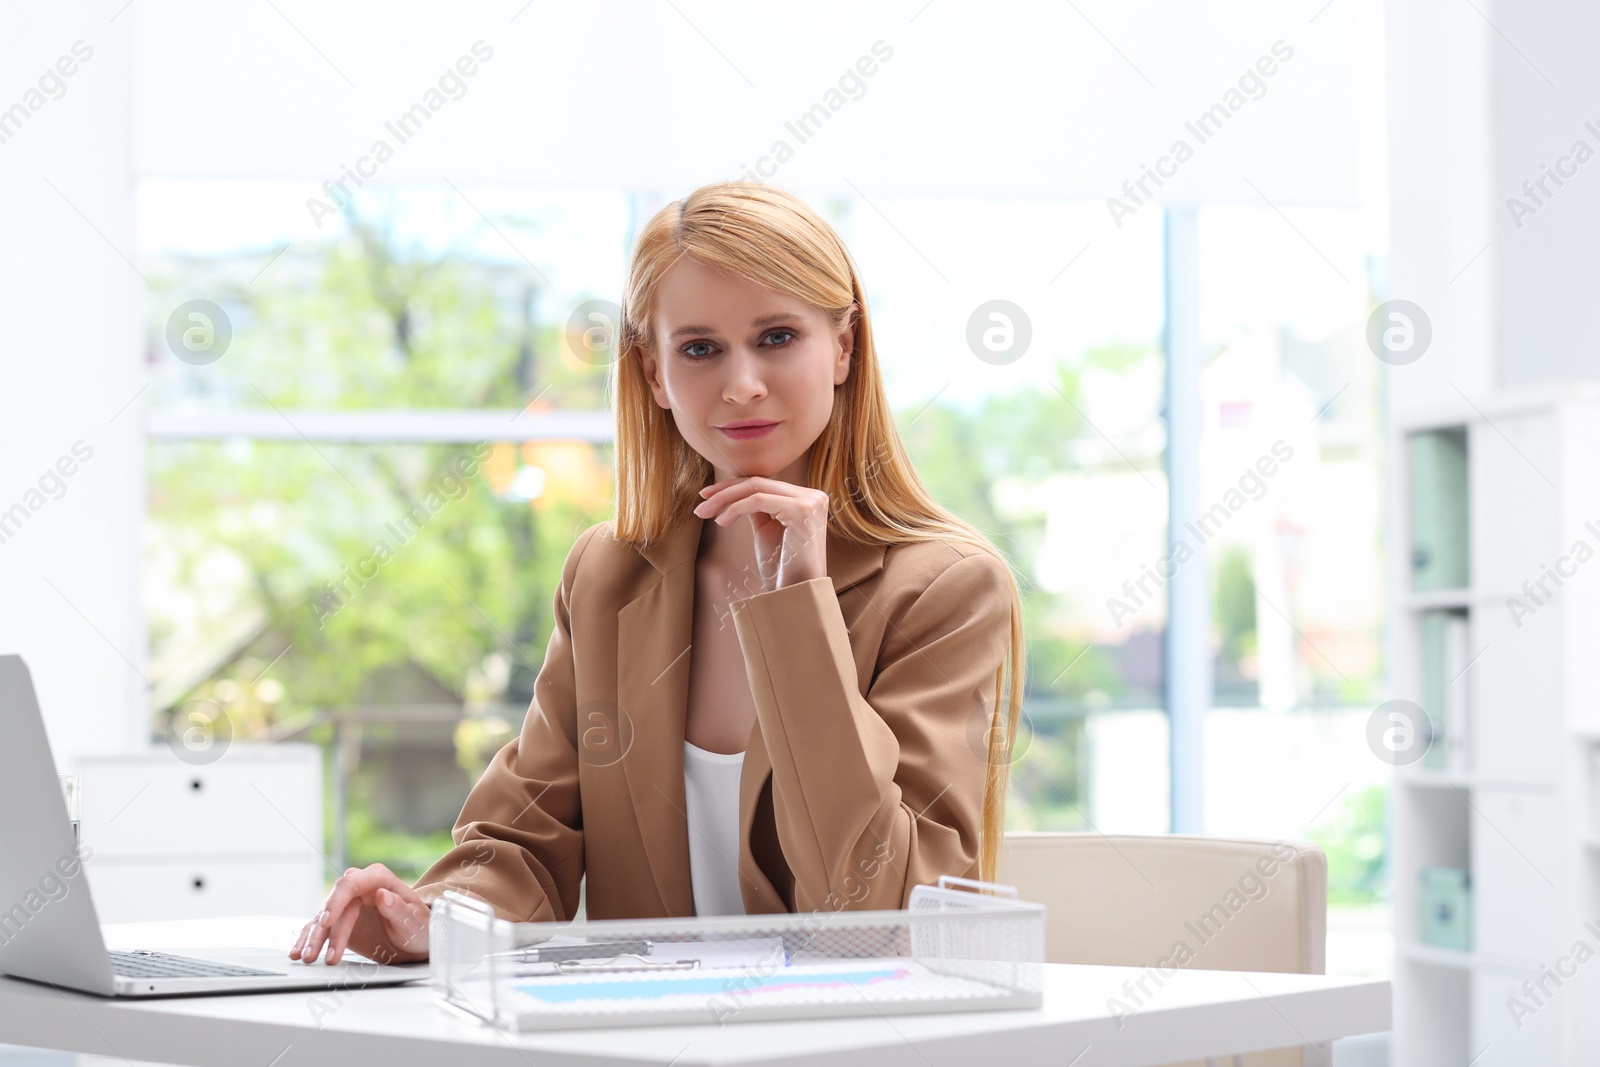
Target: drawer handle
x: 195, y: 784
x: 199, y: 883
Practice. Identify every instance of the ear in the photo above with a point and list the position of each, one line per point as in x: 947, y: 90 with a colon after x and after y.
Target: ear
x: 647, y: 363
x: 847, y: 346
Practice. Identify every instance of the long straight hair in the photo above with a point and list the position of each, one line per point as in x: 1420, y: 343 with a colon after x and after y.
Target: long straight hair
x: 774, y: 239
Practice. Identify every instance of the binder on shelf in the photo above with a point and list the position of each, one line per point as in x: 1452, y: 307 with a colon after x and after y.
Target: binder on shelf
x: 1431, y: 647
x: 1457, y: 654
x: 1445, y: 650
x: 1447, y: 907
x: 1439, y: 542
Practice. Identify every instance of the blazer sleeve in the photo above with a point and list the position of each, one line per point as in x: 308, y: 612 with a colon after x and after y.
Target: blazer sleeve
x: 519, y: 838
x: 875, y: 794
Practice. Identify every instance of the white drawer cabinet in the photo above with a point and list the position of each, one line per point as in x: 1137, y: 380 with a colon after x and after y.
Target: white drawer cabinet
x: 239, y: 836
x: 160, y: 806
x: 155, y: 891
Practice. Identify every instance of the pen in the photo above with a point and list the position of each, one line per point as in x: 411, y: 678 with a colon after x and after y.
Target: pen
x: 626, y: 961
x: 588, y: 950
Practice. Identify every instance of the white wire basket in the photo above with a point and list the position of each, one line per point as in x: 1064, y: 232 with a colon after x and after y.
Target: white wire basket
x: 950, y: 950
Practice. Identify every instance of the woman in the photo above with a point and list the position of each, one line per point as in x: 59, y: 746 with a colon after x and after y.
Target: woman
x: 838, y: 733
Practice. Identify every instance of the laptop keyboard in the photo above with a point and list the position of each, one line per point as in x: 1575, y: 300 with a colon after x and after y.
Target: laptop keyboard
x: 145, y: 964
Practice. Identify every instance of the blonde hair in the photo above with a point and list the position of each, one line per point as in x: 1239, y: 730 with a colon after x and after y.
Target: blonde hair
x: 772, y: 238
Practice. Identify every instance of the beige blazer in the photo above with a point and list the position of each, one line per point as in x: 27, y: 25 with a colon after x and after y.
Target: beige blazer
x: 864, y: 772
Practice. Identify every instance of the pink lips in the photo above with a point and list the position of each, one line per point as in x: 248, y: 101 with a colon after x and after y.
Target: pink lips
x: 745, y: 433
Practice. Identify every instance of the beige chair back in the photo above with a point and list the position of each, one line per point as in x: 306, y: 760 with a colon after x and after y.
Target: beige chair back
x: 1178, y: 900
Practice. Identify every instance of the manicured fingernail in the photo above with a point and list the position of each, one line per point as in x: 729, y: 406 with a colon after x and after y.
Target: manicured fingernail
x: 323, y: 918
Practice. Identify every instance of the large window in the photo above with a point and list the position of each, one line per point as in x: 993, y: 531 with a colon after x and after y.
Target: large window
x: 372, y: 447
x: 425, y: 346
x: 1056, y: 453
x: 1292, y: 477
x: 358, y: 511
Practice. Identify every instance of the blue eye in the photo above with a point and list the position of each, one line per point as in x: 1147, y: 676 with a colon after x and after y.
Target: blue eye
x: 693, y: 357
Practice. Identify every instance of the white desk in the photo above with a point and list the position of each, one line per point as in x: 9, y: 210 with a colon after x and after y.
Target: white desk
x: 1193, y: 1014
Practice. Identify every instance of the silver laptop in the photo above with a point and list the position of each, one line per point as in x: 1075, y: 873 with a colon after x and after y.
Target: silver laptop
x: 48, y: 928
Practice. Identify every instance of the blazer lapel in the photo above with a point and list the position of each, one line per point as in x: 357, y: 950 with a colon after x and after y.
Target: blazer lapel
x: 653, y: 632
x: 653, y: 656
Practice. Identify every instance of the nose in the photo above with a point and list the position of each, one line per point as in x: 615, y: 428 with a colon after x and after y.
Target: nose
x: 744, y: 382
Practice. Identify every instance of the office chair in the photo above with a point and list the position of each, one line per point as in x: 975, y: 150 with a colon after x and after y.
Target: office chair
x: 1126, y: 900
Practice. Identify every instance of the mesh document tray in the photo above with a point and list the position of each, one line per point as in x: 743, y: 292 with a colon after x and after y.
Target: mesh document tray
x: 950, y: 950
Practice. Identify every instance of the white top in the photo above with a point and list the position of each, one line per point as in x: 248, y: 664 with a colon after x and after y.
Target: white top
x: 711, y: 788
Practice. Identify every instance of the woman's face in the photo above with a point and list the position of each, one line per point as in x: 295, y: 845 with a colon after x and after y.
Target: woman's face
x: 730, y: 351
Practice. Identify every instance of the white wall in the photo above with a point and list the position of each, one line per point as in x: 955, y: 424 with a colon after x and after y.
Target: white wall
x: 1014, y: 97
x: 1439, y: 137
x: 1547, y: 272
x: 1479, y: 102
x: 68, y: 570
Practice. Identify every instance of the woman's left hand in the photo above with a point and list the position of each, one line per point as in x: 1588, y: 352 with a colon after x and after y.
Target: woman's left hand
x: 790, y: 523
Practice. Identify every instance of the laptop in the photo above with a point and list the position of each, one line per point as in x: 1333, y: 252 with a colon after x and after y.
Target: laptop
x: 49, y: 931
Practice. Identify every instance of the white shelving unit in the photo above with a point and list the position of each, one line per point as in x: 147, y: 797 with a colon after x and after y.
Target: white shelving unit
x: 1524, y: 815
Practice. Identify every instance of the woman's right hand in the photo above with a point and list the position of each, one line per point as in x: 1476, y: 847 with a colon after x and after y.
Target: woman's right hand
x: 372, y: 911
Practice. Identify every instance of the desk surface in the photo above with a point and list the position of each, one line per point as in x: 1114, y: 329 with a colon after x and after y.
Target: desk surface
x: 1190, y: 1014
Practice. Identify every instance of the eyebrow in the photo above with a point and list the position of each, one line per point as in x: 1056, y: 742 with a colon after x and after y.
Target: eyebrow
x: 765, y: 320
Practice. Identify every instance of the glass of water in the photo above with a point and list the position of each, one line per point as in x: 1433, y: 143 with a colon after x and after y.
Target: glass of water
x: 72, y: 793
